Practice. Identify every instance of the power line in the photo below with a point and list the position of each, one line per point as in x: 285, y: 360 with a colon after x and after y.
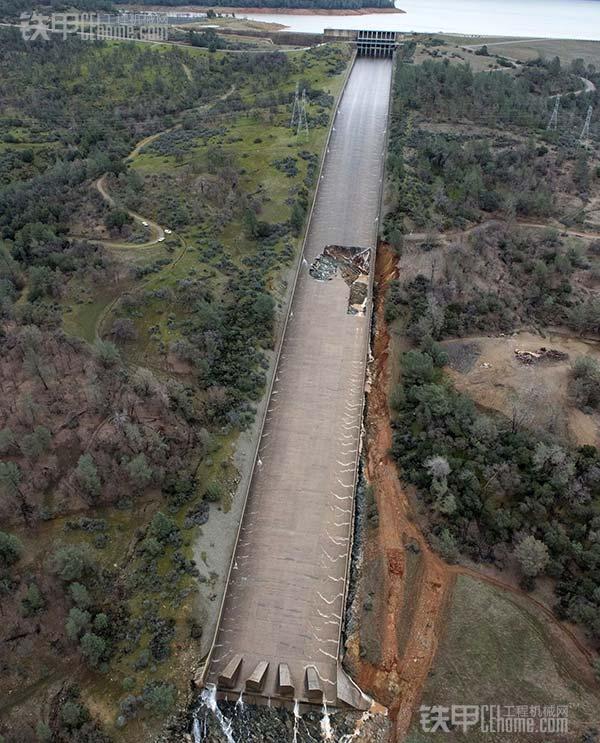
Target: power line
x: 296, y: 109
x: 302, y: 120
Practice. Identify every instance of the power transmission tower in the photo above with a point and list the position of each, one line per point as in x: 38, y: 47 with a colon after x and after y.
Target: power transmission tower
x: 296, y: 109
x: 553, y: 123
x: 585, y: 132
x: 299, y: 119
x: 302, y: 120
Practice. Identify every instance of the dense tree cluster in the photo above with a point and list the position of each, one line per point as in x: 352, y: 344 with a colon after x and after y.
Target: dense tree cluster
x: 308, y: 4
x: 499, y: 489
x: 109, y: 462
x: 495, y: 280
x: 450, y: 178
x: 492, y: 488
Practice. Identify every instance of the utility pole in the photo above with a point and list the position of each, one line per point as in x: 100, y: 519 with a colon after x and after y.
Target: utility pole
x: 585, y: 132
x: 553, y: 123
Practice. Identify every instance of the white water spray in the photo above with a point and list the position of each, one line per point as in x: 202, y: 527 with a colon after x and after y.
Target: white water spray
x: 196, y: 731
x: 239, y: 705
x: 351, y: 736
x: 296, y: 719
x: 326, y: 732
x: 208, y: 699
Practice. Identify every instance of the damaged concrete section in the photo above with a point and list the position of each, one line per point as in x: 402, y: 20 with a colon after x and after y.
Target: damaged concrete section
x: 353, y: 265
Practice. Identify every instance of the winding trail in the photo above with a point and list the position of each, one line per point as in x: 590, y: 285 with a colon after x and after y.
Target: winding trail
x: 585, y: 234
x: 157, y: 231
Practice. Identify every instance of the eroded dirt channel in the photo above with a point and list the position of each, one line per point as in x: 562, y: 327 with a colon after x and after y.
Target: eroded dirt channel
x: 284, y: 602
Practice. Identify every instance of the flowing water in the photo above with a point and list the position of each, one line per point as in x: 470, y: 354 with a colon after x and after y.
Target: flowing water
x: 208, y: 700
x: 240, y: 722
x: 326, y: 732
x: 296, y: 720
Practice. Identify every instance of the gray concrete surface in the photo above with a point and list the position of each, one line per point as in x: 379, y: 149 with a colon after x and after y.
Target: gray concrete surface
x: 284, y: 602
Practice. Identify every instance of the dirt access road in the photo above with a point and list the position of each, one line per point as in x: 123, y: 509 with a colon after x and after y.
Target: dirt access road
x: 285, y: 599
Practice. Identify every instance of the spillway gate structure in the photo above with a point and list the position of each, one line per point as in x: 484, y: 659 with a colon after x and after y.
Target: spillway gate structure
x: 368, y: 42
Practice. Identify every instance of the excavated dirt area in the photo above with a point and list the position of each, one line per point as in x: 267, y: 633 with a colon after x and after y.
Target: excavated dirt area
x: 493, y: 372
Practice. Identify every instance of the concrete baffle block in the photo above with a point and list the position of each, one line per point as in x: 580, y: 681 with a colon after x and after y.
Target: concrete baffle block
x: 284, y: 680
x: 228, y: 677
x: 314, y: 685
x: 256, y: 680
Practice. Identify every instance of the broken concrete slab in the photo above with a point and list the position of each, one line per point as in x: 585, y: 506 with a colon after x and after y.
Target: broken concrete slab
x: 349, y: 693
x: 353, y: 264
x: 228, y: 676
x: 257, y: 678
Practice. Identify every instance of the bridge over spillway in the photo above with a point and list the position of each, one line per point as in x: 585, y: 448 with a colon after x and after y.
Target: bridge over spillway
x: 280, y: 629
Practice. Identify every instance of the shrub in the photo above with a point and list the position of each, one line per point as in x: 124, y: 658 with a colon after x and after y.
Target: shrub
x: 213, y: 492
x: 532, y: 556
x: 11, y: 549
x: 80, y: 595
x: 73, y: 715
x: 73, y: 562
x: 36, y: 443
x: 7, y: 440
x: 77, y: 621
x: 158, y: 698
x: 585, y: 383
x: 33, y: 601
x: 93, y: 648
x: 139, y: 472
x: 43, y: 732
x: 87, y: 475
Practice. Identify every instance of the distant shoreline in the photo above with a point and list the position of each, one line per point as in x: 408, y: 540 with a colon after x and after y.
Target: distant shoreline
x: 265, y: 11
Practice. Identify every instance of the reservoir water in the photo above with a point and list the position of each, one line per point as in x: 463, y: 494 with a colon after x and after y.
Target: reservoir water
x: 557, y: 19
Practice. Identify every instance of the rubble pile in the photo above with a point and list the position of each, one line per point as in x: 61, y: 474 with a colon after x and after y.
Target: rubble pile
x: 353, y: 265
x: 543, y: 354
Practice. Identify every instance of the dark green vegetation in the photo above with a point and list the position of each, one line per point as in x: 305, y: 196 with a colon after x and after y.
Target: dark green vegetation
x: 496, y: 279
x: 12, y: 8
x: 455, y: 175
x: 129, y: 365
x: 470, y: 157
x: 488, y: 484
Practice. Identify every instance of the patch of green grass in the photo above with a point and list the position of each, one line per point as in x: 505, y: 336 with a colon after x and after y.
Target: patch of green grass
x: 566, y: 49
x: 81, y: 318
x: 496, y: 650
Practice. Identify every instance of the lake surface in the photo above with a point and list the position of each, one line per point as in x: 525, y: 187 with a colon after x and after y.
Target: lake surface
x: 557, y: 19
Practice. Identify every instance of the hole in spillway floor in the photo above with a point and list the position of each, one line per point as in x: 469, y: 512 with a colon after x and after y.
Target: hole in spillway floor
x: 353, y: 265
